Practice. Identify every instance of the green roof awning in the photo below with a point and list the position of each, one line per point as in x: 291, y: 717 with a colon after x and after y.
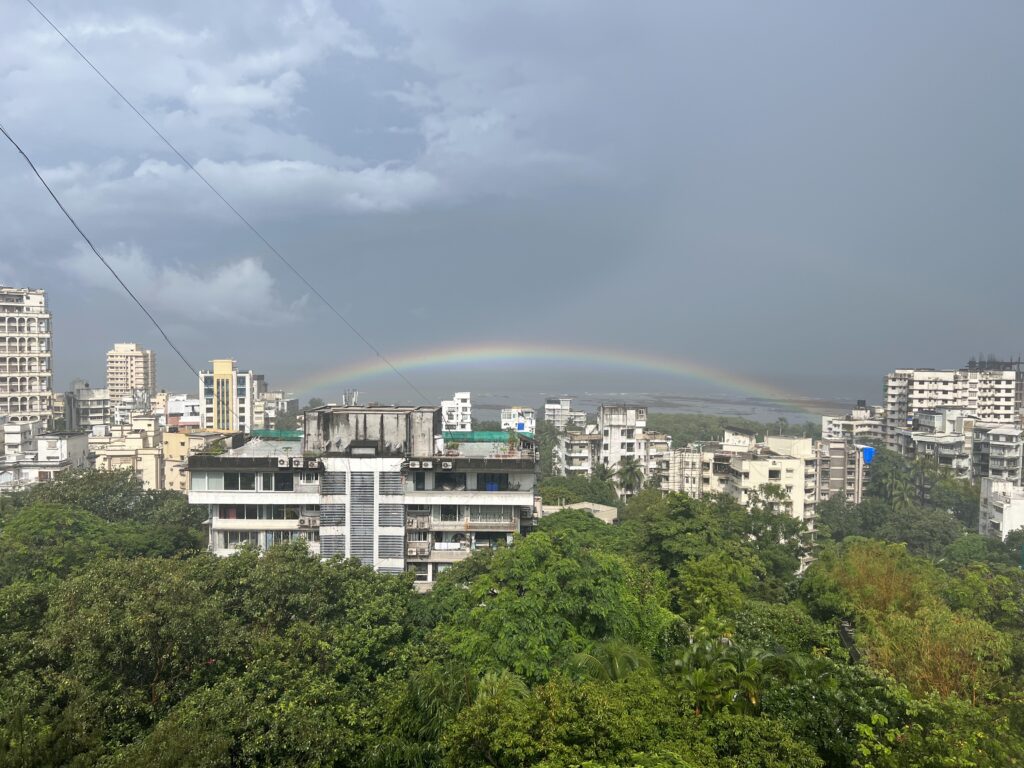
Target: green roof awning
x: 278, y: 434
x: 483, y: 437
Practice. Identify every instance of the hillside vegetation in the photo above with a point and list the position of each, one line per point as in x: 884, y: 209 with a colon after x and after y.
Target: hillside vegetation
x: 680, y: 638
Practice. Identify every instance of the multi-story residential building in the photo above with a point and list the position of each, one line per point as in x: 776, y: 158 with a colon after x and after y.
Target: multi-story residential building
x: 577, y: 453
x: 997, y: 452
x: 862, y: 424
x: 620, y: 433
x: 226, y: 395
x: 86, y: 407
x: 375, y: 483
x: 842, y: 469
x: 990, y: 391
x: 26, y: 355
x: 181, y: 412
x: 130, y: 368
x: 270, y: 404
x: 1001, y: 508
x: 519, y: 419
x: 808, y: 471
x: 559, y: 413
x: 137, y: 446
x: 457, y: 413
x: 33, y: 456
x: 176, y: 448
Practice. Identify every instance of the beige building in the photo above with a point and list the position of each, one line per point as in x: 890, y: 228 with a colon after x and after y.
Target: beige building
x: 226, y: 397
x: 26, y: 355
x: 177, y: 447
x: 130, y: 368
x: 137, y: 446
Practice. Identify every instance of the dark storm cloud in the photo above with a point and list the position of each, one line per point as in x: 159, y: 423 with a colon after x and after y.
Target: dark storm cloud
x: 764, y: 187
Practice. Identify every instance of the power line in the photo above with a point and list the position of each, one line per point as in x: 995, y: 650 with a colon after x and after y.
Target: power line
x: 99, y: 255
x: 380, y: 355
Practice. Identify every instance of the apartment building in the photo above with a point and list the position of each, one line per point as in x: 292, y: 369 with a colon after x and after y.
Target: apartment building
x: 226, y: 395
x: 990, y: 391
x: 997, y: 452
x: 862, y: 424
x: 32, y: 455
x: 86, y: 407
x: 137, y: 446
x: 620, y: 433
x: 130, y: 368
x: 457, y: 413
x: 559, y: 413
x: 176, y: 447
x: 519, y: 419
x: 182, y: 412
x: 269, y: 405
x: 376, y: 483
x: 808, y: 471
x: 1001, y: 508
x: 26, y: 355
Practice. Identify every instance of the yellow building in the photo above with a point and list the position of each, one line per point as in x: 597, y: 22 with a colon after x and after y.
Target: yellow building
x: 177, y: 447
x: 226, y: 397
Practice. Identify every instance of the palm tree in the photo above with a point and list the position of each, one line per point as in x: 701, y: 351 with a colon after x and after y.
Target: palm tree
x: 610, y: 660
x: 630, y: 475
x: 601, y: 473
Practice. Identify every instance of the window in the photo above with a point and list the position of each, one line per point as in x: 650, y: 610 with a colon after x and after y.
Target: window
x: 197, y: 481
x: 420, y: 569
x: 492, y: 481
x: 419, y: 481
x: 215, y: 481
x: 774, y: 474
x: 267, y: 481
x: 239, y: 481
x: 450, y: 514
x: 450, y: 481
x: 284, y: 481
x: 310, y: 477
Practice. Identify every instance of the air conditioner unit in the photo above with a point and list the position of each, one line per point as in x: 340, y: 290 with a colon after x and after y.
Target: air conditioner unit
x: 414, y: 465
x: 308, y: 522
x: 427, y: 464
x: 312, y: 464
x: 446, y: 465
x: 282, y: 462
x: 411, y: 552
x: 297, y: 463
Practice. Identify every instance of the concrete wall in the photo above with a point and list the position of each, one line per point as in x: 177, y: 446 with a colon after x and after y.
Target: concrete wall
x: 395, y: 431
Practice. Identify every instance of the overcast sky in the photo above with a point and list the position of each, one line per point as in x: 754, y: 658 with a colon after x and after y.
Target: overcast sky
x: 773, y: 188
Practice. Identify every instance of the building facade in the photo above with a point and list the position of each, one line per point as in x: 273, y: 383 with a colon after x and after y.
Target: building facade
x: 130, y: 368
x: 375, y: 483
x: 519, y: 419
x: 863, y: 424
x: 226, y: 395
x: 559, y: 413
x: 990, y: 391
x: 32, y: 455
x: 26, y: 355
x: 86, y: 407
x: 457, y: 413
x: 1001, y: 509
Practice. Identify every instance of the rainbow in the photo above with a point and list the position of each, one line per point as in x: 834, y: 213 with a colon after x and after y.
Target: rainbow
x: 504, y: 352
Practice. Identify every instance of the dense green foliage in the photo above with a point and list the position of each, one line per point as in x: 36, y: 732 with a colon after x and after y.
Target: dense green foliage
x: 703, y: 427
x: 682, y: 637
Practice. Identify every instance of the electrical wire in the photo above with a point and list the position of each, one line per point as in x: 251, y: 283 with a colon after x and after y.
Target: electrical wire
x: 248, y: 224
x: 99, y: 255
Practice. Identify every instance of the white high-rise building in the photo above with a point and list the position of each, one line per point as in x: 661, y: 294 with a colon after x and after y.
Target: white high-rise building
x: 130, y: 368
x: 457, y: 413
x: 990, y: 391
x: 26, y: 355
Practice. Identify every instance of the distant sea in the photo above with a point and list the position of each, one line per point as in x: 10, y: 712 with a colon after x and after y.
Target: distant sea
x: 487, y: 405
